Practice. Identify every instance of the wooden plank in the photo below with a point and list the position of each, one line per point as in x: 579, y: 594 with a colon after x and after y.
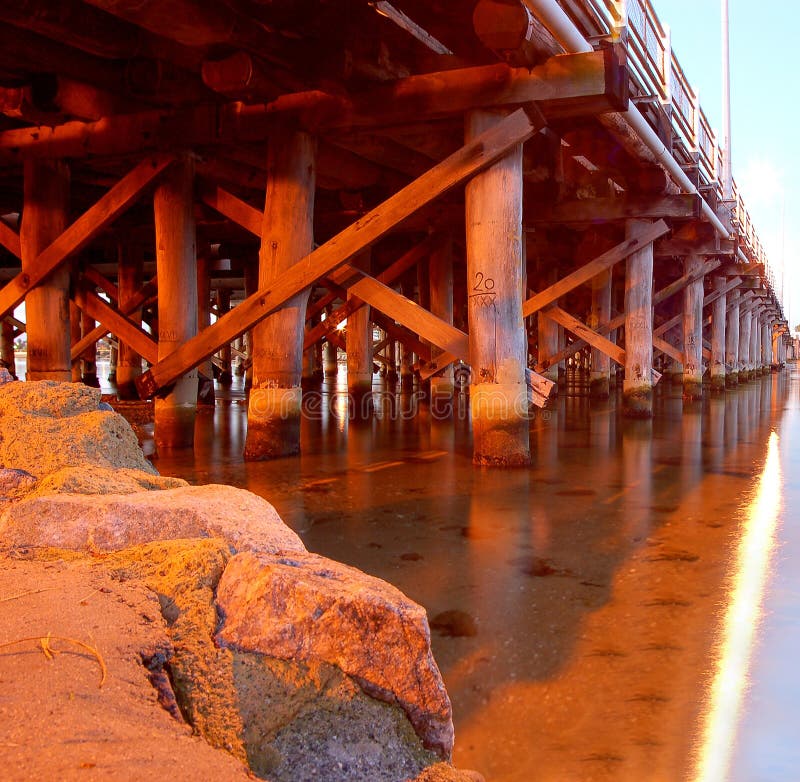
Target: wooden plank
x: 10, y: 240
x: 614, y: 352
x: 587, y: 271
x: 402, y: 335
x: 467, y: 161
x: 665, y: 347
x: 83, y: 230
x: 593, y: 210
x: 145, y: 296
x: 682, y: 282
x: 566, y: 85
x: 714, y: 295
x: 679, y: 248
x: 410, y: 314
x: 100, y: 281
x: 228, y: 205
x: 659, y: 331
x: 344, y: 274
x: 125, y: 330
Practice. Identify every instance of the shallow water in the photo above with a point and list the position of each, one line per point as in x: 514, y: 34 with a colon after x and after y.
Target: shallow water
x: 597, y: 616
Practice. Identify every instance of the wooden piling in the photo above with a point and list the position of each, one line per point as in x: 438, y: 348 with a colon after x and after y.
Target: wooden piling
x: 766, y: 344
x: 718, y: 346
x: 440, y: 275
x: 745, y: 372
x: 358, y: 338
x: 205, y: 372
x: 599, y: 315
x: 176, y: 267
x: 547, y: 330
x: 755, y: 342
x: 45, y: 216
x: 637, y: 388
x: 498, y: 342
x: 76, y: 333
x: 732, y: 340
x: 225, y: 371
x: 130, y: 262
x: 275, y: 402
x: 7, y: 346
x: 693, y: 331
x: 89, y: 355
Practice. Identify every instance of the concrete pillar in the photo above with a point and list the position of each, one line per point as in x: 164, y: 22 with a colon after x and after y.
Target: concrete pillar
x: 718, y: 318
x: 358, y: 337
x: 495, y: 278
x: 130, y: 260
x: 89, y: 357
x: 440, y: 267
x: 744, y: 346
x: 176, y: 267
x: 693, y: 331
x: 732, y: 340
x: 637, y: 389
x: 275, y: 402
x: 46, y: 199
x: 600, y: 314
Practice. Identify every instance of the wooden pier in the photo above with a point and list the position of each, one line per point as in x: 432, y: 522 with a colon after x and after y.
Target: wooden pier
x: 511, y: 184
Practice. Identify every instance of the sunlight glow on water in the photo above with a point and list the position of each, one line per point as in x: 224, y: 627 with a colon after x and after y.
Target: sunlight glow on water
x: 741, y: 623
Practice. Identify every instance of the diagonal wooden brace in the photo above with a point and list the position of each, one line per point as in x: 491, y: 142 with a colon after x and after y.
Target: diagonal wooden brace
x: 454, y: 170
x: 83, y: 230
x: 124, y: 329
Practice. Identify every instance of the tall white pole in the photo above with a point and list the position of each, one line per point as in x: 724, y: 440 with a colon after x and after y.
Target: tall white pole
x: 727, y: 175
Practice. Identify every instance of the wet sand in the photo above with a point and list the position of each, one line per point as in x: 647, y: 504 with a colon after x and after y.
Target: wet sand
x: 581, y: 608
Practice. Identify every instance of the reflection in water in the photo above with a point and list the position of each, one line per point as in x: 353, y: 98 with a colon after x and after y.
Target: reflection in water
x: 577, y: 603
x: 741, y: 622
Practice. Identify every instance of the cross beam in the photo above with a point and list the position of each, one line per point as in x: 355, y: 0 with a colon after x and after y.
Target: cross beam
x: 82, y: 231
x: 454, y: 170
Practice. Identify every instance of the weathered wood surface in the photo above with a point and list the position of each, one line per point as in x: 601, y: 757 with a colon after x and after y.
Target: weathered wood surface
x: 641, y: 237
x: 467, y: 161
x: 589, y: 336
x: 83, y: 230
x: 594, y: 210
x: 112, y: 321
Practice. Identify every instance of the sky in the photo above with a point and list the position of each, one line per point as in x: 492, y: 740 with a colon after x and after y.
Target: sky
x: 765, y: 112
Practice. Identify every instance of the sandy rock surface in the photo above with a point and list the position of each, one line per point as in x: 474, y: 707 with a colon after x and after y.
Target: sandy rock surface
x: 307, y: 607
x: 56, y: 721
x: 45, y: 426
x: 115, y: 521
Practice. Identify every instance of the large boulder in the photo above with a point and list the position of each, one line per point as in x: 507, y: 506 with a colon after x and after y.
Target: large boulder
x: 89, y: 479
x: 111, y: 522
x: 45, y: 426
x: 92, y: 712
x: 305, y: 607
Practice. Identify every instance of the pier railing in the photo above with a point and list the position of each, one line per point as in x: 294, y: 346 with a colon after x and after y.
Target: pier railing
x: 657, y: 77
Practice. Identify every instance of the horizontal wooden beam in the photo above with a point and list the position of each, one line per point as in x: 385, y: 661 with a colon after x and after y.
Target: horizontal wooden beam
x: 585, y: 273
x: 83, y: 230
x: 123, y: 328
x: 566, y: 85
x: 625, y: 207
x: 454, y: 170
x: 679, y: 248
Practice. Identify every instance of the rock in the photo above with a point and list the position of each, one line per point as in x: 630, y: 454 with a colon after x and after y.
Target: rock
x: 103, y: 480
x: 15, y: 483
x: 115, y: 521
x: 44, y: 445
x: 56, y: 721
x: 306, y: 607
x: 48, y: 398
x: 444, y: 772
x: 288, y: 720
